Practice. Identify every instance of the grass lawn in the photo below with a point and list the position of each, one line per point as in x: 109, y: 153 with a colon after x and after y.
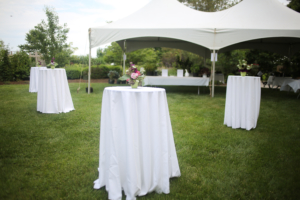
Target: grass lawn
x: 55, y: 156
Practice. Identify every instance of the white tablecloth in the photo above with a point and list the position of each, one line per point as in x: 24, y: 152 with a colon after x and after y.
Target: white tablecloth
x: 34, y: 78
x: 290, y: 84
x: 277, y: 81
x: 184, y: 81
x: 137, y: 150
x: 53, y: 92
x: 242, y: 102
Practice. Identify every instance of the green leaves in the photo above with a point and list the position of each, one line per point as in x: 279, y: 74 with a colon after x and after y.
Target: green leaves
x: 49, y: 38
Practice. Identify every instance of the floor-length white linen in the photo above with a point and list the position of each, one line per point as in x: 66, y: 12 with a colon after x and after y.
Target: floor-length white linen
x: 285, y: 85
x: 295, y: 85
x: 277, y: 81
x: 34, y: 78
x: 183, y: 81
x: 242, y: 102
x: 53, y: 92
x: 137, y: 150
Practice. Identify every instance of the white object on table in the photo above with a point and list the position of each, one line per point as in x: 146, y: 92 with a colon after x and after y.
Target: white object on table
x: 290, y: 84
x: 179, y: 72
x: 137, y: 150
x: 164, y: 73
x: 186, y: 73
x: 242, y: 102
x: 53, y: 92
x: 34, y: 78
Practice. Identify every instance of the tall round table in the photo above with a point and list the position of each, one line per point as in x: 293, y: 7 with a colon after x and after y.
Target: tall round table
x: 137, y: 150
x: 34, y: 78
x: 53, y: 92
x: 242, y: 102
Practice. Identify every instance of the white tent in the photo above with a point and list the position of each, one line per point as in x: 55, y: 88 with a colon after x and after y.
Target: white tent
x: 265, y: 24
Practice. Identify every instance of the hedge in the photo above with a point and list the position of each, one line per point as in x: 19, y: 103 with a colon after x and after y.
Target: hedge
x: 97, y: 72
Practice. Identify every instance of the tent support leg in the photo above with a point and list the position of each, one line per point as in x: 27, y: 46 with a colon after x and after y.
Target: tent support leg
x: 213, y: 73
x: 89, y: 81
x: 198, y: 90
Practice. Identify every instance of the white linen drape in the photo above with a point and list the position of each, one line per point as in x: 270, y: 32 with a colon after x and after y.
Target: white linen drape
x: 137, y: 150
x: 53, y: 92
x: 242, y: 102
x: 34, y: 78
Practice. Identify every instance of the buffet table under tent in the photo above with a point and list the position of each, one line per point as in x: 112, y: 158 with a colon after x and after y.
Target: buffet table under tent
x: 179, y: 81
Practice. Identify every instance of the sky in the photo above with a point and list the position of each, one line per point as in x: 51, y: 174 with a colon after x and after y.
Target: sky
x: 17, y: 17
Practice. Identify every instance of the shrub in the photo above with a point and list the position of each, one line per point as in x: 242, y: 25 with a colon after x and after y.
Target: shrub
x: 116, y: 68
x: 5, y: 68
x: 20, y: 65
x: 113, y: 74
x: 73, y: 73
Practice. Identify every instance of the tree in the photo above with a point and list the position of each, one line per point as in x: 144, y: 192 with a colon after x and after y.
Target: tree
x: 49, y: 39
x: 113, y: 54
x: 209, y: 5
x: 295, y: 5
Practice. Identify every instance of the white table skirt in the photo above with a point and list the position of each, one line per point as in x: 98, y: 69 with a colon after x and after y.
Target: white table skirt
x: 53, y: 92
x: 183, y: 81
x: 34, y: 78
x: 137, y: 150
x: 242, y: 102
x: 277, y: 81
x: 290, y: 84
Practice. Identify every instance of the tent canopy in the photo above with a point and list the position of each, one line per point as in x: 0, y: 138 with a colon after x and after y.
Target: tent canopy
x: 262, y: 24
x: 265, y: 24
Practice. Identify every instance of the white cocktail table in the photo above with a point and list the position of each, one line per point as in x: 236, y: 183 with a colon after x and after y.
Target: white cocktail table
x: 34, y: 78
x: 53, y: 92
x: 137, y: 150
x: 242, y: 102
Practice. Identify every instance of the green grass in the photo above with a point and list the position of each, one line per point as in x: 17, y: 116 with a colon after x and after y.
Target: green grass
x: 55, y: 156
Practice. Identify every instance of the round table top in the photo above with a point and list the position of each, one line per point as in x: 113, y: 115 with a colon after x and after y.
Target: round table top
x: 139, y: 89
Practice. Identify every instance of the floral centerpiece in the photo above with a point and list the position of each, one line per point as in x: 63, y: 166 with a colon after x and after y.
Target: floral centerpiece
x: 244, y: 67
x: 52, y: 64
x: 40, y: 64
x: 133, y: 76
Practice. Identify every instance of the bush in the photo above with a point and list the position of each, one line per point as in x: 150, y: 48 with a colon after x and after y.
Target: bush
x: 5, y: 68
x: 116, y: 68
x: 73, y: 73
x: 113, y: 74
x: 20, y: 65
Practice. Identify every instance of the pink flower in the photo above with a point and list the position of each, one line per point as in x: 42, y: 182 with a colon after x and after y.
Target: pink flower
x: 127, y: 80
x: 134, y: 75
x: 138, y: 72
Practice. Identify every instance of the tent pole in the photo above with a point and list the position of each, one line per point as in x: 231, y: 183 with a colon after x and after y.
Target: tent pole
x: 124, y: 57
x: 89, y: 81
x: 213, y: 73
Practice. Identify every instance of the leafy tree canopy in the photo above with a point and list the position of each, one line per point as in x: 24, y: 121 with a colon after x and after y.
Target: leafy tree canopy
x: 49, y: 38
x: 295, y: 5
x: 209, y: 5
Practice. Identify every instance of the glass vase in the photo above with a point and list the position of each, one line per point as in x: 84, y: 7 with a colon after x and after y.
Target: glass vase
x: 135, y: 85
x: 243, y: 73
